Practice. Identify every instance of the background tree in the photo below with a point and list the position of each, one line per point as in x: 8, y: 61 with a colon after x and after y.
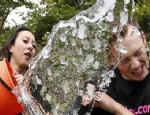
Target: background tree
x: 6, y: 6
x: 41, y: 19
x: 142, y: 13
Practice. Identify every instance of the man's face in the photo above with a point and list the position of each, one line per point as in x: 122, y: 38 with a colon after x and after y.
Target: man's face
x: 134, y: 64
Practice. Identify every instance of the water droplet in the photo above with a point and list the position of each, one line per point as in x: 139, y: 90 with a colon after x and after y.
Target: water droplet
x: 43, y: 89
x: 79, y: 51
x: 86, y: 45
x: 77, y: 83
x: 81, y: 31
x: 48, y: 97
x: 75, y: 62
x: 49, y: 72
x: 39, y: 81
x: 62, y: 37
x: 65, y: 86
x: 104, y: 74
x: 123, y: 17
x: 63, y: 60
x: 46, y: 52
x: 89, y: 58
x: 110, y: 16
x: 111, y: 73
x: 135, y: 31
x: 73, y: 42
x: 97, y: 44
x: 114, y: 29
x: 96, y: 65
x: 84, y: 65
x: 101, y: 2
x: 122, y: 48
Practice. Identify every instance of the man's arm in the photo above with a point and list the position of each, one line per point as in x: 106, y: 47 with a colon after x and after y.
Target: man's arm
x: 107, y: 103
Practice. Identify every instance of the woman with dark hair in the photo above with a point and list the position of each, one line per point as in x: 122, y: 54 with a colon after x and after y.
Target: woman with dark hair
x: 6, y: 53
x: 17, y: 53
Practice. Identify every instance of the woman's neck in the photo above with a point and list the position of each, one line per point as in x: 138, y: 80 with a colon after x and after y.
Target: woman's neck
x: 17, y: 68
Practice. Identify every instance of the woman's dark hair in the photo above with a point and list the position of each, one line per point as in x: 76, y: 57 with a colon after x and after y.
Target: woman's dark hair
x: 5, y: 52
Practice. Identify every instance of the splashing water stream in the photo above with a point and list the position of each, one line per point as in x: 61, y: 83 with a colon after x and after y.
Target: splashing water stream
x: 74, y: 54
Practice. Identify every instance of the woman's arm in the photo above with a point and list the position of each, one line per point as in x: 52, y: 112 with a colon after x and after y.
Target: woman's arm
x: 19, y: 79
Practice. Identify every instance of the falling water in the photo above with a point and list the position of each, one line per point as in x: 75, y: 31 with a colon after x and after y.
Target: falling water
x: 74, y: 55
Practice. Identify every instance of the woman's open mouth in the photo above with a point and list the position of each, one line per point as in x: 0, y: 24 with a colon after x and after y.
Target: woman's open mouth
x: 28, y: 55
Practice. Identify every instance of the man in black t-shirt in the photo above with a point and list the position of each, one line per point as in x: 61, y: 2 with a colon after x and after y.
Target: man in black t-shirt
x: 130, y: 87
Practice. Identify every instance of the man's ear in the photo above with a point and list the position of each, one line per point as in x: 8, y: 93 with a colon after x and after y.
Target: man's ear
x: 112, y: 52
x: 143, y: 37
x: 112, y: 56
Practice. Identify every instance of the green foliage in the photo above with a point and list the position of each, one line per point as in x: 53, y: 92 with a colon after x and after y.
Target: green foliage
x: 42, y: 19
x: 142, y: 13
x: 118, y: 7
x: 6, y: 6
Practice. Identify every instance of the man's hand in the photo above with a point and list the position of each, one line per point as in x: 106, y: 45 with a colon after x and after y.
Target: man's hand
x: 107, y: 103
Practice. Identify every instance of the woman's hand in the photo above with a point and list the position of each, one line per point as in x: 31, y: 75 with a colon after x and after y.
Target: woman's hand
x: 18, y: 77
x: 19, y: 80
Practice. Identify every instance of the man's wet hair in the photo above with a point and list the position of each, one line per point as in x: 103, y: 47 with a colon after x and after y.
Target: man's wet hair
x: 132, y: 22
x: 113, y: 39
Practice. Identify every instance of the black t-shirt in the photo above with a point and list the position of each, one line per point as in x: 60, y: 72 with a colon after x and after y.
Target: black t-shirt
x: 134, y: 95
